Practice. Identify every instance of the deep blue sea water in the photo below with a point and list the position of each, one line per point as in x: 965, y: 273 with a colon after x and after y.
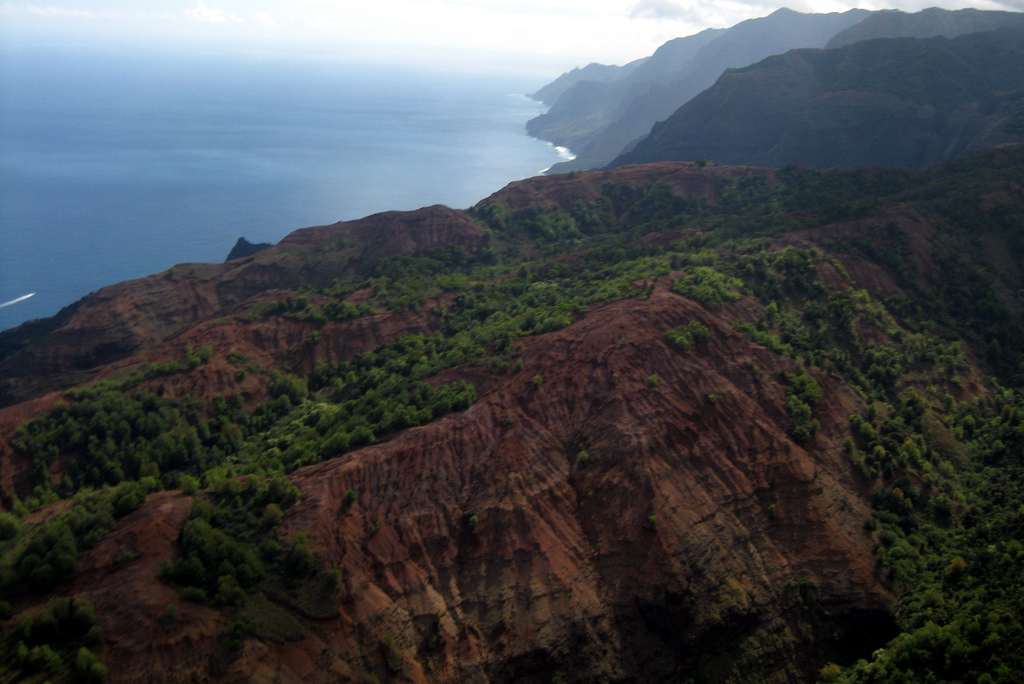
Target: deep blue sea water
x: 115, y: 167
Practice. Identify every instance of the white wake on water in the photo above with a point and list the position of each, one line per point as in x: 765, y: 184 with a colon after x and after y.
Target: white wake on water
x: 564, y: 155
x: 17, y: 300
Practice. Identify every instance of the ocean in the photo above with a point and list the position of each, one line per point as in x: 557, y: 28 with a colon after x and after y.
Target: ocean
x: 113, y: 167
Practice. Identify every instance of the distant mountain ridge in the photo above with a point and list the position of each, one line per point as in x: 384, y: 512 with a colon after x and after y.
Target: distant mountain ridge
x: 593, y: 73
x: 928, y: 23
x: 902, y: 102
x: 600, y: 121
x: 588, y: 106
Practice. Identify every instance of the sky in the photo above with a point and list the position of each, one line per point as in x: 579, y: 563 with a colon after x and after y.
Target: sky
x: 476, y: 35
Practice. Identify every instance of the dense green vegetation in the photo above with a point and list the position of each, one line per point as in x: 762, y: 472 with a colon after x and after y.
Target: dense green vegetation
x: 57, y: 641
x: 686, y: 337
x: 708, y: 286
x: 61, y: 638
x: 943, y: 466
x: 114, y: 436
x: 232, y: 557
x: 302, y: 309
x: 40, y: 556
x: 804, y: 393
x: 949, y: 482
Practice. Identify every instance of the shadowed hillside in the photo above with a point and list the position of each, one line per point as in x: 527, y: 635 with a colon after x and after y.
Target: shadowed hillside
x: 929, y: 23
x: 599, y: 126
x: 607, y: 110
x: 896, y: 102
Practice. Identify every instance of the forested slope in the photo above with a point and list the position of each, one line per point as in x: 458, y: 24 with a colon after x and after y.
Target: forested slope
x: 666, y: 422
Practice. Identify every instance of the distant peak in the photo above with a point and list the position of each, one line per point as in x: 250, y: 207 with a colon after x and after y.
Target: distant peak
x: 244, y: 248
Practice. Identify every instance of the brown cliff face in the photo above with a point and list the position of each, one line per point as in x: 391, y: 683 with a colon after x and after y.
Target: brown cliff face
x: 685, y: 179
x: 118, y: 321
x: 693, y: 524
x: 692, y: 517
x: 611, y: 510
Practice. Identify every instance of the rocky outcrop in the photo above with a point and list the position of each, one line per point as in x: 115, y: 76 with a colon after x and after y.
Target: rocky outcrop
x: 244, y: 248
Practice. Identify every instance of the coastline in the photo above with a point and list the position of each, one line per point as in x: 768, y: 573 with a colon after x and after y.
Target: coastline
x: 360, y: 147
x: 563, y: 152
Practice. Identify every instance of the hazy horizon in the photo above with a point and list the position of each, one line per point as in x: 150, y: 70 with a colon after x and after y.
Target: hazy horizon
x: 228, y: 118
x: 525, y: 37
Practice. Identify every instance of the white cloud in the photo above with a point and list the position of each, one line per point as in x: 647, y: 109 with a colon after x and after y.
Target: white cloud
x: 264, y: 19
x: 205, y: 14
x: 537, y: 35
x: 661, y: 9
x: 46, y: 11
x: 65, y: 12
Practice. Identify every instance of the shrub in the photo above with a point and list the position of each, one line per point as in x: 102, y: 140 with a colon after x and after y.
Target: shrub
x: 299, y: 562
x: 830, y: 673
x: 194, y: 594
x: 685, y: 337
x: 956, y: 568
x: 10, y: 526
x: 804, y: 393
x: 229, y: 593
x: 708, y: 286
x: 287, y: 385
x: 392, y: 656
x: 169, y: 617
x: 189, y: 485
x: 45, y: 659
x: 128, y: 496
x: 272, y: 515
x: 88, y: 667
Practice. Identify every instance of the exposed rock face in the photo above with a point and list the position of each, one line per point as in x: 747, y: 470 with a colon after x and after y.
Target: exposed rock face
x: 682, y: 534
x: 678, y: 530
x: 612, y: 510
x: 244, y: 248
x: 117, y: 577
x: 118, y: 321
